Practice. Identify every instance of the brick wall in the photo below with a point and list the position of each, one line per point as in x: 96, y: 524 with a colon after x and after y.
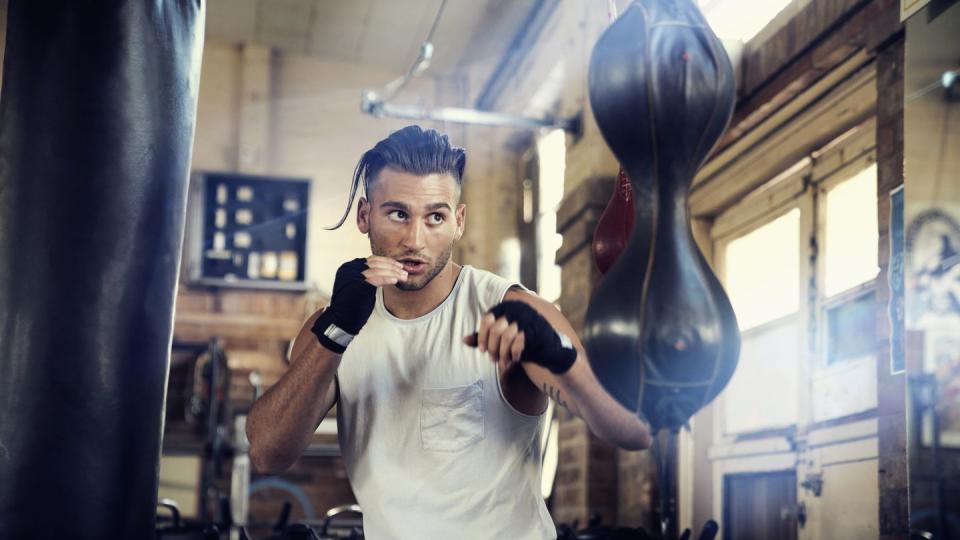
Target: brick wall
x: 586, y: 483
x: 637, y: 490
x: 594, y: 478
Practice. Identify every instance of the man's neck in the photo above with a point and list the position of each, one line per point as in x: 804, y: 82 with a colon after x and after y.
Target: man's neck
x: 412, y: 304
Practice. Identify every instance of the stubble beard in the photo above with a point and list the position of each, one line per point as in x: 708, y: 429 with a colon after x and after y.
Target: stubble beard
x: 409, y: 285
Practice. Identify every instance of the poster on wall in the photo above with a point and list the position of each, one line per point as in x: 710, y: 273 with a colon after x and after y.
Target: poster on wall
x: 896, y: 281
x: 932, y: 278
x: 909, y: 7
x: 932, y: 270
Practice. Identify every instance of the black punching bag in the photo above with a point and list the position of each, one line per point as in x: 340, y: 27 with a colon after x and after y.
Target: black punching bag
x: 96, y: 128
x: 659, y: 331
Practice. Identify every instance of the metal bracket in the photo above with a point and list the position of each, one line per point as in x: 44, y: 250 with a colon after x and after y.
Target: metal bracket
x: 813, y: 483
x: 796, y: 512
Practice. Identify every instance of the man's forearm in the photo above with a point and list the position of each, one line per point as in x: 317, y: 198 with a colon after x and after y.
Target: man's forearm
x: 605, y: 417
x: 538, y: 336
x: 281, y: 423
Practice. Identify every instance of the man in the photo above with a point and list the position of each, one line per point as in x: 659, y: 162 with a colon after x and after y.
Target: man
x: 441, y: 372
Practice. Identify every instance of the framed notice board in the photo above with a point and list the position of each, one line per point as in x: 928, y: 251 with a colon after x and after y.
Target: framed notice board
x: 247, y: 231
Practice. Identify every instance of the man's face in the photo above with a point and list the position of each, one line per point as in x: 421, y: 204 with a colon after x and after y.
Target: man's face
x: 415, y: 220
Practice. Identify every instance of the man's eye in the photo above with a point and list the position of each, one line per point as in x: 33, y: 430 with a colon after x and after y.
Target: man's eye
x: 398, y: 215
x: 437, y: 218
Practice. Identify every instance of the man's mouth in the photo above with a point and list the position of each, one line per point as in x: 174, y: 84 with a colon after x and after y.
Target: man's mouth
x: 414, y: 266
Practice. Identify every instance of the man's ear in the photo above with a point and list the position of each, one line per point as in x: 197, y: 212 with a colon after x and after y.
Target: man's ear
x: 363, y: 215
x: 461, y: 220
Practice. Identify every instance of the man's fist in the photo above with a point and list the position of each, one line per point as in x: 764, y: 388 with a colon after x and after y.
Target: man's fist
x: 354, y: 295
x: 513, y: 331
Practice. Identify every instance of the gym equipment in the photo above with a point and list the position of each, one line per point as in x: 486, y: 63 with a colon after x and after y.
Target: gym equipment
x: 660, y: 331
x: 180, y: 529
x: 615, y: 224
x: 96, y: 122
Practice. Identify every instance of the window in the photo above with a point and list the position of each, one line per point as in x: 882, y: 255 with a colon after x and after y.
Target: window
x: 850, y: 233
x: 850, y: 329
x: 799, y: 262
x: 552, y: 155
x: 762, y: 269
x: 758, y: 294
x: 844, y: 375
x: 740, y: 20
x: 793, y: 224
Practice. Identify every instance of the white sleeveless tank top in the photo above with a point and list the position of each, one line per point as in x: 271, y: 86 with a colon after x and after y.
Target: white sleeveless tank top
x: 432, y: 448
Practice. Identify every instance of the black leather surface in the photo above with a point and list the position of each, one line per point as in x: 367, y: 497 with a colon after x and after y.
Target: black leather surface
x: 96, y: 128
x: 660, y: 331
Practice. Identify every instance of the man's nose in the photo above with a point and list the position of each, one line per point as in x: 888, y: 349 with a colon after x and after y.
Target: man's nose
x: 413, y: 239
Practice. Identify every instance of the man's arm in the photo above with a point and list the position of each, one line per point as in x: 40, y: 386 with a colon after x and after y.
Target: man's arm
x: 577, y: 389
x: 281, y: 423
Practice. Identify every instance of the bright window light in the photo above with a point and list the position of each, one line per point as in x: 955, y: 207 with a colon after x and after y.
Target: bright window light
x: 851, y: 233
x: 509, y: 260
x: 740, y: 19
x: 763, y: 271
x: 552, y: 154
x: 552, y: 151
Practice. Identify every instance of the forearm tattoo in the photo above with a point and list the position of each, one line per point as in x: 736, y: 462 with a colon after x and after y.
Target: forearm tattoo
x: 554, y: 394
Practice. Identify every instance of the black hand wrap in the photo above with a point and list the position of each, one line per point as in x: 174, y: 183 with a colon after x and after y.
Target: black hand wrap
x: 350, y: 307
x: 542, y: 344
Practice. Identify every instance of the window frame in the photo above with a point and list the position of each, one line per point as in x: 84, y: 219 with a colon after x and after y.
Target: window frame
x: 779, y: 196
x: 804, y: 186
x: 736, y: 179
x: 841, y: 161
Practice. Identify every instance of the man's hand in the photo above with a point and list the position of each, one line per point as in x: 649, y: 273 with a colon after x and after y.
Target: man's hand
x: 354, y: 295
x: 512, y: 331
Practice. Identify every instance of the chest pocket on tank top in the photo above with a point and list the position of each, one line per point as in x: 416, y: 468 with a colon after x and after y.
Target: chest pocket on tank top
x: 451, y: 419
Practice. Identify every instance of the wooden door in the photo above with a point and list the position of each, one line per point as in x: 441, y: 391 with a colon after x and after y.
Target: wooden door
x: 760, y: 506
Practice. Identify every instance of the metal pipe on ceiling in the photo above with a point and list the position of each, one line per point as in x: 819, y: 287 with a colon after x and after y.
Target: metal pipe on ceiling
x: 377, y: 104
x: 378, y: 108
